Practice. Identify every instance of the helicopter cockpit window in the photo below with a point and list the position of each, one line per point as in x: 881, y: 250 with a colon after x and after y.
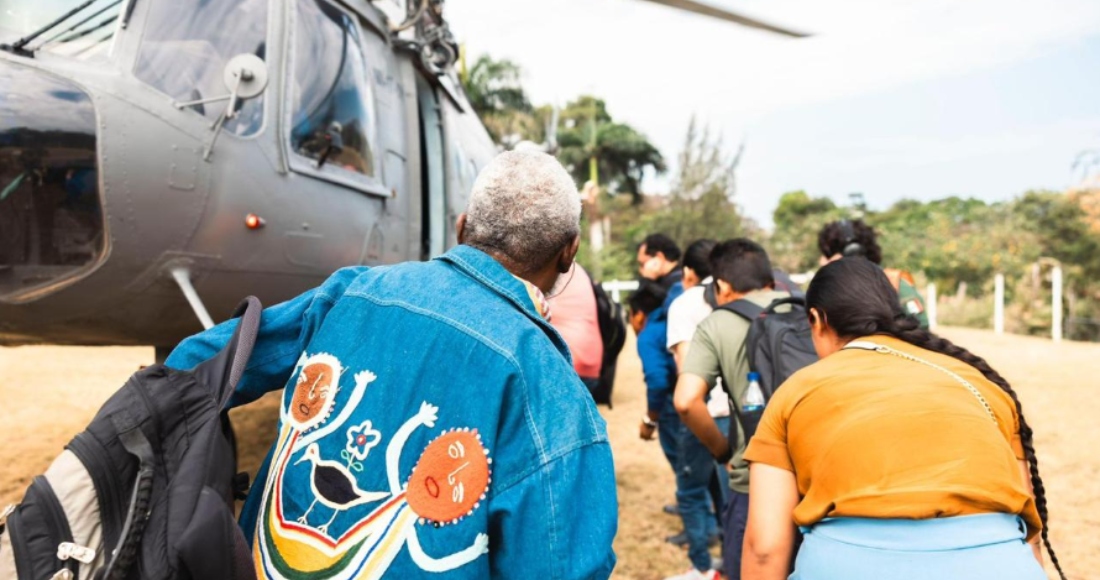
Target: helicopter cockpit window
x: 185, y: 47
x: 333, y: 118
x: 84, y: 35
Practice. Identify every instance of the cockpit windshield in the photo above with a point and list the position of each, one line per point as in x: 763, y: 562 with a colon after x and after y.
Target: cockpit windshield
x: 85, y: 34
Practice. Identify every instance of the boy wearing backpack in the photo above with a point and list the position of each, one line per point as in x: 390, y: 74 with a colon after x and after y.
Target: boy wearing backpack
x: 742, y: 271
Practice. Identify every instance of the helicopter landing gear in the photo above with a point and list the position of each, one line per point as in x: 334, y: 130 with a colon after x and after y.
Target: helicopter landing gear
x: 182, y: 276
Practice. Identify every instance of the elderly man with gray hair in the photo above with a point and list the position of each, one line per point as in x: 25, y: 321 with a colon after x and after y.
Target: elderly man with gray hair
x: 432, y: 424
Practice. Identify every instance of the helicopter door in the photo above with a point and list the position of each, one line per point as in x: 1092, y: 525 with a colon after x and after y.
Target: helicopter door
x: 432, y: 173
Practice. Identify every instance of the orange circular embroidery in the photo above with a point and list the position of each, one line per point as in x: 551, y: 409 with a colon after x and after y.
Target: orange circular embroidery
x: 450, y: 478
x: 312, y: 393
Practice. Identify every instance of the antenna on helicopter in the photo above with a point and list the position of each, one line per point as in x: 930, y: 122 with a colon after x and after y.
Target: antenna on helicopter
x: 246, y: 77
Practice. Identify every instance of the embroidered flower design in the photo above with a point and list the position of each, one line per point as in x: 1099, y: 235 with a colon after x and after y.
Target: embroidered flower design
x: 361, y: 439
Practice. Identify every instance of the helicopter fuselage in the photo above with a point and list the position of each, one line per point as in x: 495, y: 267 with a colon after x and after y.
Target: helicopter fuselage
x: 114, y: 198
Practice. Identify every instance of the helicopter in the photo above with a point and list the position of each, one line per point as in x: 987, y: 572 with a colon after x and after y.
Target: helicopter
x: 160, y: 159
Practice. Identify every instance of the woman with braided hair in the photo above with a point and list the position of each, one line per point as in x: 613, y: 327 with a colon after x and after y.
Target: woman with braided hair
x: 899, y: 454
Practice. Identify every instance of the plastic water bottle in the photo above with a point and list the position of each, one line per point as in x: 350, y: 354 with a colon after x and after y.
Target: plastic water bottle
x: 752, y: 406
x: 754, y: 395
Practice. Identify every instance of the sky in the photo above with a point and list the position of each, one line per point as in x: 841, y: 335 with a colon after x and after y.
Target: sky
x: 889, y: 98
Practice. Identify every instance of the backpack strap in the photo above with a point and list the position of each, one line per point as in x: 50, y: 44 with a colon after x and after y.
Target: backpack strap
x: 224, y: 370
x: 744, y: 308
x: 799, y: 301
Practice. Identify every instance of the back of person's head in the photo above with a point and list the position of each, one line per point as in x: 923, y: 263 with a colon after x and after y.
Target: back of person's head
x: 855, y: 298
x: 663, y: 244
x: 697, y: 257
x: 849, y: 238
x: 743, y: 264
x: 648, y: 297
x: 525, y: 206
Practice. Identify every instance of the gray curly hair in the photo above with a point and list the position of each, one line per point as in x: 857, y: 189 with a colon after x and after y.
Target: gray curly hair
x: 525, y: 206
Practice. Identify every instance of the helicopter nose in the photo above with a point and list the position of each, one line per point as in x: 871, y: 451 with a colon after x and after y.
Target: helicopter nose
x: 51, y: 211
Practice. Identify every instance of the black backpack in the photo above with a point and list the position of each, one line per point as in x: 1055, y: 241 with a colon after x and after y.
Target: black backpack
x: 778, y: 344
x: 147, y: 489
x: 612, y: 321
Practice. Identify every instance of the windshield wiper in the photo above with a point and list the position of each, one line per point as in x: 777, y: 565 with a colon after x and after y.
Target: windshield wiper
x: 75, y: 35
x: 17, y: 47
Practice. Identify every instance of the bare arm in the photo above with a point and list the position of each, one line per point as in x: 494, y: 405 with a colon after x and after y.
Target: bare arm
x: 680, y: 352
x: 690, y: 401
x: 1037, y: 541
x: 769, y: 534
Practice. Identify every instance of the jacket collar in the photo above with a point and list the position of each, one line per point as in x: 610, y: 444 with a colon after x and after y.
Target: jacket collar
x: 487, y: 271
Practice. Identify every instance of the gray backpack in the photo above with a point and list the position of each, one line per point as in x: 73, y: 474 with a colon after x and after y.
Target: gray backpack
x: 147, y: 489
x: 778, y: 345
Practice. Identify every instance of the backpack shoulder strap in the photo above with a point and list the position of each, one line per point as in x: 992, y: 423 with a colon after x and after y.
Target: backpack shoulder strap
x: 793, y: 301
x: 744, y: 309
x: 223, y: 371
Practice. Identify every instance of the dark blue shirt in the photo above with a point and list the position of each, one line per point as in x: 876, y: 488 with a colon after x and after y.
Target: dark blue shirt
x: 658, y: 364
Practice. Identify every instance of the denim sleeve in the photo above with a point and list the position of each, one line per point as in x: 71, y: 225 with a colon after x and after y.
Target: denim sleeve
x: 557, y: 523
x: 285, y: 329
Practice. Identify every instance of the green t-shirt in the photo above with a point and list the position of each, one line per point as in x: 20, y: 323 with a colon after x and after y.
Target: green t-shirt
x: 911, y: 302
x: 718, y: 350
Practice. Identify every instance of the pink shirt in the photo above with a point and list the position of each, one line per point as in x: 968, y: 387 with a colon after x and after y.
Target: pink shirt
x: 573, y: 314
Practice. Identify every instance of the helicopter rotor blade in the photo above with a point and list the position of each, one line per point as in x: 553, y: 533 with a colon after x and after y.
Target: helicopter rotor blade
x: 713, y: 12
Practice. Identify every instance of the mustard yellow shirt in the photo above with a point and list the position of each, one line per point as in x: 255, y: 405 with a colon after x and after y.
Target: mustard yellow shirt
x: 876, y: 436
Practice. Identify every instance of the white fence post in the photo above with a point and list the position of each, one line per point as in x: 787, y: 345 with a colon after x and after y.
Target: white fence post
x: 1056, y: 303
x: 999, y: 304
x: 930, y: 306
x: 616, y: 287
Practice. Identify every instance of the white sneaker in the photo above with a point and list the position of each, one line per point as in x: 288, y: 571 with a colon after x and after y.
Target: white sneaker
x: 694, y: 574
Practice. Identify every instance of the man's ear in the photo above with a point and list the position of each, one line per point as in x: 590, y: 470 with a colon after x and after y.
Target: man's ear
x: 460, y: 228
x: 722, y: 288
x: 568, y: 254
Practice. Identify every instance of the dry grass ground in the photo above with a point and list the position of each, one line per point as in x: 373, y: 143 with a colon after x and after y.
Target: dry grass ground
x: 51, y: 392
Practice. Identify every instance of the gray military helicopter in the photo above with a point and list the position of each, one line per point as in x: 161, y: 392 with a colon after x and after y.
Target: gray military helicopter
x: 160, y: 159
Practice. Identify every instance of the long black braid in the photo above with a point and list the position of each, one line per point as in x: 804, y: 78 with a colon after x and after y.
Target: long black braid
x: 857, y: 299
x: 908, y: 329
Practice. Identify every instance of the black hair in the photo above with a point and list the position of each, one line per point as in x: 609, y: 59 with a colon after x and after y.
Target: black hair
x: 849, y: 238
x: 857, y: 299
x: 697, y: 257
x: 648, y: 297
x: 661, y: 243
x: 743, y: 264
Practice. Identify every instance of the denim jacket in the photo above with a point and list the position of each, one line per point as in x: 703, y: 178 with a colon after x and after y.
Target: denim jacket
x: 431, y: 421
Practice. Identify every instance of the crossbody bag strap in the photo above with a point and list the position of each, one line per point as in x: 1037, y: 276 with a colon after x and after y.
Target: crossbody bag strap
x: 883, y: 349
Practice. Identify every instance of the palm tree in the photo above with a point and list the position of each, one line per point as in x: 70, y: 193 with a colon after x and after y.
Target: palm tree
x: 593, y: 145
x: 494, y: 90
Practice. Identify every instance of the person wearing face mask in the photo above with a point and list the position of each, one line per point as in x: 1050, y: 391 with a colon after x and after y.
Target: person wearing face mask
x: 659, y: 260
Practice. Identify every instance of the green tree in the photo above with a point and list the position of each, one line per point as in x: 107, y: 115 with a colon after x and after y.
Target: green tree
x: 587, y: 135
x: 496, y: 93
x: 700, y: 203
x: 797, y: 219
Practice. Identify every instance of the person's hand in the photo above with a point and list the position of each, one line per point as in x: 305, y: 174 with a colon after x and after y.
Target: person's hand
x: 646, y: 432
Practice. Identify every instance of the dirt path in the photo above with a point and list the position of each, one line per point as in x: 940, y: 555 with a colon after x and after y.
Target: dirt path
x: 52, y: 392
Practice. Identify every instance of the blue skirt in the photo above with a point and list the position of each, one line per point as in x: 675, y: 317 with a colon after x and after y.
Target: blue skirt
x: 978, y: 547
